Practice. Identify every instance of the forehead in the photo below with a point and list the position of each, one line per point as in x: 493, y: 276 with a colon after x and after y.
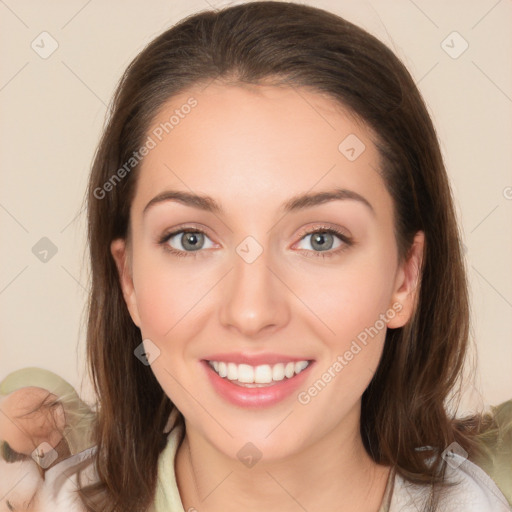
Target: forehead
x: 245, y: 143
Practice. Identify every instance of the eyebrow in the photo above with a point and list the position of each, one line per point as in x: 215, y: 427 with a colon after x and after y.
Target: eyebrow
x: 9, y: 455
x: 296, y: 203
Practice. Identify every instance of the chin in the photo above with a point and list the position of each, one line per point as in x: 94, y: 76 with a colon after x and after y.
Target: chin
x: 263, y: 442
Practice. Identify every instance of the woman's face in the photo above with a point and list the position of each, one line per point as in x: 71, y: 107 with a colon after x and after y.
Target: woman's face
x: 250, y: 290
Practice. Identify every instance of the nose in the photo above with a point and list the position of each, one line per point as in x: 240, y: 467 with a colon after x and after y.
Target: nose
x: 254, y: 298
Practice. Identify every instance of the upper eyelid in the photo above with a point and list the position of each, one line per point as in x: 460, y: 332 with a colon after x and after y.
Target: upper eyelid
x: 325, y: 227
x: 181, y: 229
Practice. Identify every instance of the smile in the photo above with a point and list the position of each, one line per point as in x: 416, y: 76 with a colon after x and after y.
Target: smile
x: 261, y: 375
x: 256, y: 381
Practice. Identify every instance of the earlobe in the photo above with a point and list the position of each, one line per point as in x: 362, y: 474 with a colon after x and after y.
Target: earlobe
x: 119, y: 252
x: 407, y: 283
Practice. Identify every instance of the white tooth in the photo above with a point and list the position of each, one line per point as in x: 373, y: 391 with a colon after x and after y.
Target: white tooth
x: 289, y: 371
x: 300, y: 365
x: 263, y: 374
x: 278, y: 372
x: 232, y: 371
x: 245, y: 373
x: 223, y: 369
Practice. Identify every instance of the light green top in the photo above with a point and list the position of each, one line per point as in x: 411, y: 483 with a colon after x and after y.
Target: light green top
x: 476, y: 490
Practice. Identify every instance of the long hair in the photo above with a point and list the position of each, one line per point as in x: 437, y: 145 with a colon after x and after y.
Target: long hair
x: 298, y: 46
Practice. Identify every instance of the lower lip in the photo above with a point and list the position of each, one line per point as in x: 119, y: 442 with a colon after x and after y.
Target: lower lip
x: 257, y: 396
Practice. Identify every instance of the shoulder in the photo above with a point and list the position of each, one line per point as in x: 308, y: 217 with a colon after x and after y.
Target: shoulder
x: 474, y: 488
x: 495, y: 447
x: 471, y: 490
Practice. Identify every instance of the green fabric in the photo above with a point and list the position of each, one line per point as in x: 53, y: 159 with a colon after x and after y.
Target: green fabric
x: 496, y: 444
x: 167, y: 496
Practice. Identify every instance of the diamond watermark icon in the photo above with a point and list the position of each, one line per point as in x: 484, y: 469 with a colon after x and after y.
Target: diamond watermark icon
x: 44, y: 250
x: 454, y: 45
x: 454, y: 455
x: 249, y: 249
x: 147, y: 352
x: 44, y: 455
x: 44, y: 45
x: 249, y: 455
x: 351, y: 147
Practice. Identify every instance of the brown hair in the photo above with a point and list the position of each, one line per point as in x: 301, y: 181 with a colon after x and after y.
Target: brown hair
x: 404, y: 406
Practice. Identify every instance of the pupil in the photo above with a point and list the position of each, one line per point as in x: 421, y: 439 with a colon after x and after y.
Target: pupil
x: 191, y: 239
x: 319, y: 239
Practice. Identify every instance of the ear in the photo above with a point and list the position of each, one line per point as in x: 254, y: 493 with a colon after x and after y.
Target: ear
x: 407, y: 279
x: 119, y: 249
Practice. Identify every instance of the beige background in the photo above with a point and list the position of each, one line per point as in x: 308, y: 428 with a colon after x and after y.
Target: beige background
x: 52, y: 115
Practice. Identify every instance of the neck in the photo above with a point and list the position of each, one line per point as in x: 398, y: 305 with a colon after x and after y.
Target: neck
x: 337, y: 469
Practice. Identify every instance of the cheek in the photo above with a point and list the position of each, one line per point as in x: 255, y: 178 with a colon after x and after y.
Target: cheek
x: 164, y: 291
x: 355, y: 304
x: 350, y: 299
x: 357, y: 314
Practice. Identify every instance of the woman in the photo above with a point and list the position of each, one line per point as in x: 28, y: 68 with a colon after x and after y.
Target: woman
x: 278, y: 310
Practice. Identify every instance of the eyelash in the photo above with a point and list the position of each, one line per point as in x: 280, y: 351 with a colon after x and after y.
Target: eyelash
x: 347, y: 242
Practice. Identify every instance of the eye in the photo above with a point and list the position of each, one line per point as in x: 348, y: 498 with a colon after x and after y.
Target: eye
x: 183, y: 241
x: 322, y: 240
x: 190, y: 241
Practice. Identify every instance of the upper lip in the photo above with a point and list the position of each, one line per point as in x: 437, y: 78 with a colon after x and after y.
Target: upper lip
x: 254, y: 359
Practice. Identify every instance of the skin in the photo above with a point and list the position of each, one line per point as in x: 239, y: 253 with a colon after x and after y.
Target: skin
x: 253, y: 148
